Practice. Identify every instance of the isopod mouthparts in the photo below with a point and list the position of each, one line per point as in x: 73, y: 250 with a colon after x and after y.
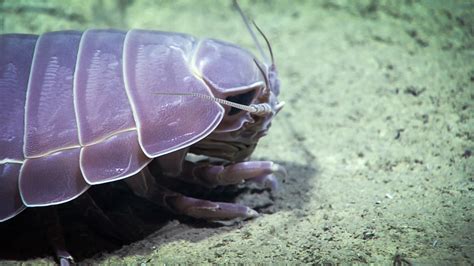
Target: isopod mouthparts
x: 260, y: 109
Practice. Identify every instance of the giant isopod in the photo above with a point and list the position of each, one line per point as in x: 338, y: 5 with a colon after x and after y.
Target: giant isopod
x: 86, y: 108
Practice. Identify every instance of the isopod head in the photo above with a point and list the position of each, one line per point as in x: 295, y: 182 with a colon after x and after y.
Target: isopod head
x: 234, y: 74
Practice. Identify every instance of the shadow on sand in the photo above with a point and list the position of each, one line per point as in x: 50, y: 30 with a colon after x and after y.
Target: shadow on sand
x: 24, y: 237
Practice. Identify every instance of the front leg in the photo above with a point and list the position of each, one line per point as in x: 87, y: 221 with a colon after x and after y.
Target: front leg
x: 210, y: 175
x: 261, y: 172
x: 144, y: 185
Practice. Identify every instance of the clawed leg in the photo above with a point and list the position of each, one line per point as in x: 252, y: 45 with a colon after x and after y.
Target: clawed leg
x: 209, y: 210
x: 54, y: 232
x: 144, y: 185
x: 263, y: 173
x: 266, y: 181
x: 100, y: 221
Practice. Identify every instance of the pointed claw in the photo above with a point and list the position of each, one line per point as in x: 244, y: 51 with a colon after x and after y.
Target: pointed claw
x: 209, y: 210
x: 270, y: 181
x: 66, y: 261
x: 265, y: 182
x: 251, y: 213
x: 234, y: 174
x: 279, y: 170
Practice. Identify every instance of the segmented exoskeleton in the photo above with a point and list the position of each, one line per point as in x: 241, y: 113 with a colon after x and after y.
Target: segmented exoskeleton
x: 86, y: 108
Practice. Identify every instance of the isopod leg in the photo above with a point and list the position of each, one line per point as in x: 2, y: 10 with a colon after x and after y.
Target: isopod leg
x: 209, y: 210
x: 99, y: 220
x: 263, y: 173
x: 144, y: 185
x: 55, y: 236
x: 265, y: 181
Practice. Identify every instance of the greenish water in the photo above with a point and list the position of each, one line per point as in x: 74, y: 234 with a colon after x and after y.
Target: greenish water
x: 377, y: 133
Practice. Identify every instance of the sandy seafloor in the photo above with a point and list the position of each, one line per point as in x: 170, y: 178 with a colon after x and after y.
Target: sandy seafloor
x: 377, y: 133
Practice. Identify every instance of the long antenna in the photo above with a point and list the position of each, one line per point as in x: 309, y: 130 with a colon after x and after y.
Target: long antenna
x: 266, y: 40
x: 261, y: 109
x: 267, y: 83
x: 255, y: 40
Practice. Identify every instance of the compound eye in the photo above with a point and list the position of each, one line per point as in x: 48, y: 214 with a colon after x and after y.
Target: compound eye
x: 244, y: 98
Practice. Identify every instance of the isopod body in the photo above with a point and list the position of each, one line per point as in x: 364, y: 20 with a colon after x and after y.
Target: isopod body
x: 86, y: 108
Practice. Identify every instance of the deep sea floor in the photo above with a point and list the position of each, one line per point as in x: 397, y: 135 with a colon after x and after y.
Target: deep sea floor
x: 377, y: 133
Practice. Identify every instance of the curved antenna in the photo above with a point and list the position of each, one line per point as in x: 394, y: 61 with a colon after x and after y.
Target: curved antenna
x: 246, y: 21
x: 266, y: 40
x: 261, y: 109
x: 267, y: 83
